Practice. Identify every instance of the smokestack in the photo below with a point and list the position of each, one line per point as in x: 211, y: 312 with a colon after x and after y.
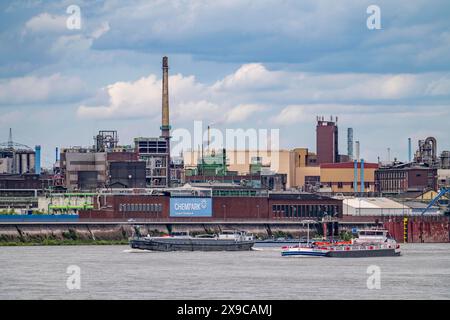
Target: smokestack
x: 165, y: 124
x: 10, y: 139
x: 37, y: 160
x: 362, y: 176
x: 355, y: 177
x: 209, y: 139
x: 350, y: 142
x: 409, y: 150
x: 357, y: 150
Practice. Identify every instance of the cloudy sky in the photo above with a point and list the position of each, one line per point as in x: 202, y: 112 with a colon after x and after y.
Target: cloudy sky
x: 233, y: 64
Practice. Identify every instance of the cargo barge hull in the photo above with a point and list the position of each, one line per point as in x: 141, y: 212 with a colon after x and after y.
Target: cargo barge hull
x: 191, y: 245
x: 363, y: 253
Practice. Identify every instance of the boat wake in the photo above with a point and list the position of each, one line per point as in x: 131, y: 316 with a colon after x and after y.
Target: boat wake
x: 276, y: 249
x: 135, y: 251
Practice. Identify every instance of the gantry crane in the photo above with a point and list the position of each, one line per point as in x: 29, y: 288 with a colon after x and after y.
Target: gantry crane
x: 441, y: 193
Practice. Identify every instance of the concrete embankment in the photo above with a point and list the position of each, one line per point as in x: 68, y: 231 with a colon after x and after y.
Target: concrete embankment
x: 39, y: 232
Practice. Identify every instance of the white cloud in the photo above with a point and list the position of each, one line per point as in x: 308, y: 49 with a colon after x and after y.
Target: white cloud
x: 249, y: 76
x: 47, y: 23
x: 357, y: 113
x: 104, y: 28
x: 243, y: 112
x: 252, y: 88
x: 48, y: 89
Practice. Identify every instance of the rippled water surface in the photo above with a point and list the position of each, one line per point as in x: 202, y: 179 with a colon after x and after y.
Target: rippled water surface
x: 117, y: 272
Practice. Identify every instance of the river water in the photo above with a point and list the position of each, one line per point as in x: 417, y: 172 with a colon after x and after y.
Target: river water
x: 117, y: 272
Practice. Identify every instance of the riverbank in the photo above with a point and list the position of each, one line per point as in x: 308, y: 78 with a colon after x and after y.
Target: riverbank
x: 52, y: 242
x: 16, y: 234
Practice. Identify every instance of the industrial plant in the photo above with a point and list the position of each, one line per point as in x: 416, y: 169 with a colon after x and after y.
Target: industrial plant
x: 142, y: 181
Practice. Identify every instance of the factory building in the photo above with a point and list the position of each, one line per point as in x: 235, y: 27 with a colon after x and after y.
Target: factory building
x: 214, y: 168
x: 299, y: 166
x: 83, y: 169
x: 341, y: 177
x: 6, y: 165
x: 214, y: 203
x: 420, y: 175
x: 105, y: 164
x: 327, y: 140
x: 443, y: 178
x: 445, y: 160
x: 374, y: 207
x: 16, y: 158
x: 126, y: 174
x: 427, y: 152
x: 154, y: 152
x: 406, y: 177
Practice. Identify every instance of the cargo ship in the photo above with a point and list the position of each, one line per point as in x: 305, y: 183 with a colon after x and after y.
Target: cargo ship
x: 370, y: 243
x: 225, y: 241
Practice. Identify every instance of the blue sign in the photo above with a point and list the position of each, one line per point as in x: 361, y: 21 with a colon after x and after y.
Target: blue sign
x: 190, y: 207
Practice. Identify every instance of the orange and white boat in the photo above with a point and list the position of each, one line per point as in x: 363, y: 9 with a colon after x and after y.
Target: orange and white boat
x: 370, y: 243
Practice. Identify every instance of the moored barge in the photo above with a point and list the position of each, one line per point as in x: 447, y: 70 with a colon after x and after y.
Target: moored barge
x: 226, y: 241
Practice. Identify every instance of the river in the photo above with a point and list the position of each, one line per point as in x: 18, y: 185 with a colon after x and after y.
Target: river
x: 117, y: 272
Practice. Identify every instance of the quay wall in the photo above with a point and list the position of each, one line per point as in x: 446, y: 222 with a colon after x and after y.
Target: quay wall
x: 37, y: 232
x: 411, y: 229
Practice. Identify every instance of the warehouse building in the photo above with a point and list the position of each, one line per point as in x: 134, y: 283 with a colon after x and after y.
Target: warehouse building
x: 374, y: 207
x: 218, y: 202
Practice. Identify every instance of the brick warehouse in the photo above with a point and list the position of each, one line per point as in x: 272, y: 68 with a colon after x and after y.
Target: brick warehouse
x: 257, y: 206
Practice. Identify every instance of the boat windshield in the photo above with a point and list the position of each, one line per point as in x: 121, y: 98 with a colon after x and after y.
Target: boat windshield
x: 179, y: 234
x: 371, y: 233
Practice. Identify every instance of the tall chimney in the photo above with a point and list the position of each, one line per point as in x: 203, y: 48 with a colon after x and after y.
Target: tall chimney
x: 362, y: 177
x: 165, y: 126
x: 37, y: 160
x: 350, y: 142
x: 409, y: 150
x: 357, y: 146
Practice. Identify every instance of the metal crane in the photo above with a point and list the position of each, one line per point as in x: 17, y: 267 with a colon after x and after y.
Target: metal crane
x: 441, y: 193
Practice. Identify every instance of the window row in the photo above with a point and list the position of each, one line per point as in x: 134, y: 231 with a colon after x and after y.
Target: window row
x: 298, y: 211
x: 140, y: 207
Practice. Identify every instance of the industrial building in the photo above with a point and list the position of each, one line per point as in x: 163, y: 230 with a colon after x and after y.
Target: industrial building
x: 83, y: 169
x: 105, y: 164
x: 348, y: 177
x: 327, y: 140
x: 425, y: 172
x: 155, y: 154
x: 443, y: 178
x: 299, y: 166
x: 374, y: 207
x: 17, y: 158
x: 380, y: 206
x: 405, y: 177
x: 426, y: 154
x: 214, y: 167
x: 126, y: 174
x: 216, y: 202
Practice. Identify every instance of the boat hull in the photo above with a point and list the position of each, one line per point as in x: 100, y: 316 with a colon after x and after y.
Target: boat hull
x: 304, y: 252
x: 173, y: 244
x: 363, y: 253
